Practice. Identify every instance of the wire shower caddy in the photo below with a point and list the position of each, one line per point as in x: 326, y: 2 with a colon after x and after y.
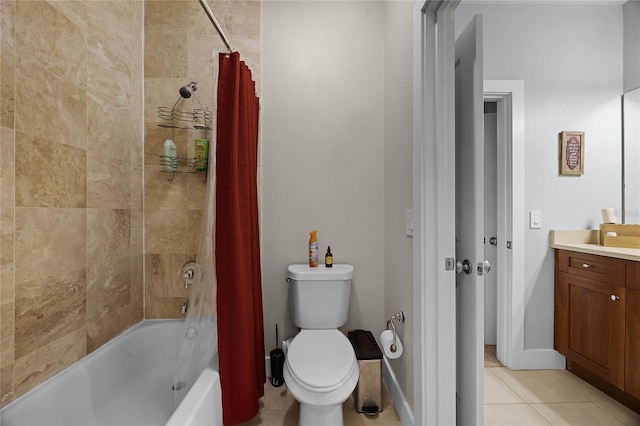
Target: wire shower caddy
x: 197, y: 119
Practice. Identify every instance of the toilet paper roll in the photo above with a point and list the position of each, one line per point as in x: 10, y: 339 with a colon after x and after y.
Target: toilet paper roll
x: 386, y: 338
x: 608, y: 216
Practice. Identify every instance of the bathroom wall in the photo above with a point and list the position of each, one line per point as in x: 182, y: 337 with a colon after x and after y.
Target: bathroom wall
x: 323, y: 150
x: 631, y: 45
x: 570, y: 58
x: 179, y: 47
x: 70, y: 183
x: 398, y: 181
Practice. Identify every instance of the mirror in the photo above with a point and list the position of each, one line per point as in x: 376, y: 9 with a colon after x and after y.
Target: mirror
x: 631, y: 157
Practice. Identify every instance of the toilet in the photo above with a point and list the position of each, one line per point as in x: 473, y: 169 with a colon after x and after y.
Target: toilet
x: 321, y: 369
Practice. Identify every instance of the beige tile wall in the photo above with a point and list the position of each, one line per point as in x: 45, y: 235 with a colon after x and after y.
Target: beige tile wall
x: 71, y: 220
x: 72, y: 224
x: 179, y: 45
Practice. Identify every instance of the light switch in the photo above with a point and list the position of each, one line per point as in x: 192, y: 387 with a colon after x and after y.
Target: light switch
x: 535, y: 219
x: 408, y: 220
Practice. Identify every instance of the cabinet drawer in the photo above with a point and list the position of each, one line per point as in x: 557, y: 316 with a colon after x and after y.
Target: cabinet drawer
x: 600, y: 268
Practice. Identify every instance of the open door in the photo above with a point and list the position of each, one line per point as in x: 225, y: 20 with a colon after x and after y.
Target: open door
x: 469, y: 111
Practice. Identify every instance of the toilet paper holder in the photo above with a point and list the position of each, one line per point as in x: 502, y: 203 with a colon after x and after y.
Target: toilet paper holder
x: 398, y: 316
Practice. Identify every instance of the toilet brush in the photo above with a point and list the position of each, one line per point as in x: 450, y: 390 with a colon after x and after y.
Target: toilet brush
x: 277, y: 364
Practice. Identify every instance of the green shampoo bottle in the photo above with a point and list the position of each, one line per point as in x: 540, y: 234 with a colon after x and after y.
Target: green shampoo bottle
x: 201, y: 161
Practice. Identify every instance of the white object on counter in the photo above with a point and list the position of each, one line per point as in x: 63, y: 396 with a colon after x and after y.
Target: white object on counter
x: 608, y: 216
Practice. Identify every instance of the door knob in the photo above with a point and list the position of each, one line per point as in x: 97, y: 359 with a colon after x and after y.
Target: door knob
x: 465, y: 266
x: 614, y: 297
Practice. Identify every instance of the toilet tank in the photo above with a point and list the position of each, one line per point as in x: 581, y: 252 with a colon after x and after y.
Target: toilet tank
x: 319, y: 297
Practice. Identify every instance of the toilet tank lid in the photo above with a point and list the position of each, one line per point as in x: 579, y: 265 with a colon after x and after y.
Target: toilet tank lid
x: 321, y: 272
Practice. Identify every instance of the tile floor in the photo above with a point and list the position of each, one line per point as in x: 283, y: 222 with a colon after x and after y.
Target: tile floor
x: 548, y: 397
x: 279, y: 408
x: 532, y: 397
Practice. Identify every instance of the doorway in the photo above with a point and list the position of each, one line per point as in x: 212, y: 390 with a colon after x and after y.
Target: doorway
x: 490, y: 232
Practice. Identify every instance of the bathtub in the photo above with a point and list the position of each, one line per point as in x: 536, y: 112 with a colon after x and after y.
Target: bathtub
x: 128, y: 381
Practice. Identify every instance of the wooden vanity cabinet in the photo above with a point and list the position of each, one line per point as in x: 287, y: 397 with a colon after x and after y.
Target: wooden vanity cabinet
x: 597, y: 321
x: 632, y: 341
x: 590, y: 313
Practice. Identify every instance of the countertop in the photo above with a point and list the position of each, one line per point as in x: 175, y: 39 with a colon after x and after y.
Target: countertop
x: 587, y: 242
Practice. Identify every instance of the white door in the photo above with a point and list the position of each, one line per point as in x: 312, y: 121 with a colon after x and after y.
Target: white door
x: 470, y: 224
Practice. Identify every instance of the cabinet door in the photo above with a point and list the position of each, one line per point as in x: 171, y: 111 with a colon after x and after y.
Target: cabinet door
x: 596, y: 338
x: 633, y: 275
x: 632, y: 364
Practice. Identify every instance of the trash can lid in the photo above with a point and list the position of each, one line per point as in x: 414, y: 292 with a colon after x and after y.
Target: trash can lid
x: 364, y: 345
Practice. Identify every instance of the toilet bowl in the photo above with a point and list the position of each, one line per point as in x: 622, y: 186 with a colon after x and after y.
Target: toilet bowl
x: 321, y: 371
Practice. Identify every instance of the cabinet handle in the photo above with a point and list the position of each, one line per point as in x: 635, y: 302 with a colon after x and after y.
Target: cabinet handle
x: 614, y: 297
x: 586, y: 265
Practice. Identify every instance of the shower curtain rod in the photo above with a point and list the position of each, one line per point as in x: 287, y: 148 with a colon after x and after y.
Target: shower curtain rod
x: 216, y: 24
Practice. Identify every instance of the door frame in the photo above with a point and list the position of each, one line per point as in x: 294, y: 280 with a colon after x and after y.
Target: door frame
x: 433, y: 201
x: 509, y: 98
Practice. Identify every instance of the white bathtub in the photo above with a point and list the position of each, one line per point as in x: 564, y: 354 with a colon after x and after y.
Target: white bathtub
x: 126, y: 382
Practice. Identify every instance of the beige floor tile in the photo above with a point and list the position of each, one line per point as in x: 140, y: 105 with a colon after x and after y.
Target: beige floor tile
x: 585, y: 389
x: 279, y: 407
x: 278, y: 398
x: 511, y: 415
x: 268, y: 417
x: 623, y: 414
x: 548, y: 386
x: 497, y: 392
x: 575, y: 413
x: 388, y: 417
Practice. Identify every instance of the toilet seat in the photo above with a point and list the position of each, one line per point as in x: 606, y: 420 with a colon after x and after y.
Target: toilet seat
x: 321, y: 360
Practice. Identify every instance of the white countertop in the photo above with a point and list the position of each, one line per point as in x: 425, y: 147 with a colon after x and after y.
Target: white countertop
x: 587, y: 242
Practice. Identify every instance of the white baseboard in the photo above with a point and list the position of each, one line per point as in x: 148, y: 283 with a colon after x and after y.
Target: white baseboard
x: 538, y: 359
x: 397, y: 396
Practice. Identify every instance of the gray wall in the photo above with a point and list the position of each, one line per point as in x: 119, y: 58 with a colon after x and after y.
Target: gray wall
x: 323, y: 150
x: 337, y: 155
x: 398, y: 172
x: 570, y: 58
x: 631, y: 11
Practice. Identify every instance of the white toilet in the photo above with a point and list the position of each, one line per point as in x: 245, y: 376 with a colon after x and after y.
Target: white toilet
x: 321, y: 369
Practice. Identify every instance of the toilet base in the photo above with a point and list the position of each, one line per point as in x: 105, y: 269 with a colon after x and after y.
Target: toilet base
x: 320, y: 415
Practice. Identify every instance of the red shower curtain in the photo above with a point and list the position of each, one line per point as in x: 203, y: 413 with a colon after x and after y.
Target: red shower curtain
x: 239, y: 294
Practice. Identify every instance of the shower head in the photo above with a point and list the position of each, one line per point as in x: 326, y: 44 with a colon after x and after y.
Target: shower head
x: 187, y: 91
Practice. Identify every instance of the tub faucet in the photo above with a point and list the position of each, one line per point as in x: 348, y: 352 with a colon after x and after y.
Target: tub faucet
x: 189, y: 273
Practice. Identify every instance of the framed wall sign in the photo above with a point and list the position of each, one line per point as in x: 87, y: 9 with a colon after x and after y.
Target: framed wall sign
x: 571, y: 153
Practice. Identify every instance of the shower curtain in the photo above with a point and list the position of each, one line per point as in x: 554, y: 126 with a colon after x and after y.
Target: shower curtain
x: 237, y: 243
x: 199, y: 347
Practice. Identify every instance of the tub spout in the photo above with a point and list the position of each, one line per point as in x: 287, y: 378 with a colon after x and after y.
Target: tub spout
x: 184, y: 307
